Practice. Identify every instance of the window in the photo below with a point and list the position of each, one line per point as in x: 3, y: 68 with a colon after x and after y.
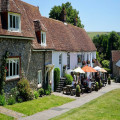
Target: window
x: 43, y: 38
x: 39, y: 78
x: 14, y: 22
x: 79, y: 59
x: 68, y: 60
x: 12, y: 66
x: 87, y: 56
x: 60, y: 59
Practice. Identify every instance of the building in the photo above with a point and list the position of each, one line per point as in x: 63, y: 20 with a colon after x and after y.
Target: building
x: 116, y: 62
x: 38, y: 44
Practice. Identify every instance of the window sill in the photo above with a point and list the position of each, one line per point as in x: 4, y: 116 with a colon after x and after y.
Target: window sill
x: 10, y: 80
x: 13, y: 30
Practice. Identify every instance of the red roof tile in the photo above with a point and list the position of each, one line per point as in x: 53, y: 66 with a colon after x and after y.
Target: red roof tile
x: 59, y: 36
x: 115, y: 55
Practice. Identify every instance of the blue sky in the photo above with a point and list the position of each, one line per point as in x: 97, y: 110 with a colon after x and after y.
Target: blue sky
x: 96, y: 15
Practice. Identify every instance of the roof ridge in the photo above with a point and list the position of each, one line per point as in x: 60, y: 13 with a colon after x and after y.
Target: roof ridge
x: 62, y: 22
x: 28, y: 4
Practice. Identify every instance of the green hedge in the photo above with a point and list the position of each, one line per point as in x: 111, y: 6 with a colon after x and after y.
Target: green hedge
x: 56, y: 77
x: 69, y: 79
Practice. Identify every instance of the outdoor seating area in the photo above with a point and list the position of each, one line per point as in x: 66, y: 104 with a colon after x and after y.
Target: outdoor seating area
x: 89, y: 79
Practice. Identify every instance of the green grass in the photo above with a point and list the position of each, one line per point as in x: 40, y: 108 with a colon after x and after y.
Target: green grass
x: 106, y: 107
x: 92, y: 34
x: 5, y: 117
x: 40, y: 104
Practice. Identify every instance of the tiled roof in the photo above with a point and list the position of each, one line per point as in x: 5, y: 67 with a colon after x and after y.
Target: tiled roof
x: 28, y: 14
x: 66, y: 37
x: 59, y: 36
x: 115, y: 55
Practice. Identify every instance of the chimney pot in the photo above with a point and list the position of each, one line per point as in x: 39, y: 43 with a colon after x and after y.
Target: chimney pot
x: 75, y: 21
x: 63, y: 15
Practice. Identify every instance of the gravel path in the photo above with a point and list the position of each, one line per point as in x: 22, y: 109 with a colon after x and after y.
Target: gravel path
x: 53, y: 112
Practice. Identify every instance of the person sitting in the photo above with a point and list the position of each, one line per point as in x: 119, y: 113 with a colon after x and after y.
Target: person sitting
x: 73, y: 83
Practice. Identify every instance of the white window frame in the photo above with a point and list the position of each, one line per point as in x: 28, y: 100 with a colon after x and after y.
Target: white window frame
x: 19, y: 22
x: 43, y: 39
x: 39, y: 80
x: 9, y: 77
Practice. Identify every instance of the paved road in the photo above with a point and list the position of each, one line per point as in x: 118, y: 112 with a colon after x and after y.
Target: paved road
x: 53, y: 112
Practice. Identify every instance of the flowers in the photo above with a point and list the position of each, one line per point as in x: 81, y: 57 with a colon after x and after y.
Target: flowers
x: 93, y: 60
x: 83, y: 62
x: 88, y: 61
x: 6, y: 70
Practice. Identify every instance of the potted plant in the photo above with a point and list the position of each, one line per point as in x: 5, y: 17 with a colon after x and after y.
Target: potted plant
x: 109, y: 80
x: 83, y: 62
x: 88, y: 61
x: 96, y: 86
x: 93, y: 60
x: 78, y: 91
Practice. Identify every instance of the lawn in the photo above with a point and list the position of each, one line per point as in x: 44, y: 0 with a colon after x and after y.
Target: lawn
x: 5, y: 117
x: 40, y: 104
x: 106, y: 107
x: 92, y: 34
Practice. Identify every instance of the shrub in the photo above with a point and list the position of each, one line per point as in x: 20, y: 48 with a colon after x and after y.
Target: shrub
x: 2, y: 100
x: 105, y: 63
x: 19, y: 99
x: 24, y: 90
x: 78, y: 89
x: 41, y: 92
x: 48, y: 90
x: 36, y: 94
x: 14, y: 92
x: 11, y: 100
x: 56, y: 77
x: 69, y: 79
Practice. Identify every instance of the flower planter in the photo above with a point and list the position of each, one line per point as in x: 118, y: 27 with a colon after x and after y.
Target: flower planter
x: 77, y: 94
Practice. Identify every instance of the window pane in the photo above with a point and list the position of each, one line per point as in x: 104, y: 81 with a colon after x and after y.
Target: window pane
x: 11, y: 21
x: 7, y: 66
x: 10, y: 68
x: 42, y: 37
x: 14, y: 67
x: 17, y: 22
x: 17, y: 68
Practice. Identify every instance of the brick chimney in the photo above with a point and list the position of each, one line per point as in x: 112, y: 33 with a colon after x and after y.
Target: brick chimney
x: 37, y: 27
x: 75, y: 21
x: 63, y: 15
x: 4, y: 5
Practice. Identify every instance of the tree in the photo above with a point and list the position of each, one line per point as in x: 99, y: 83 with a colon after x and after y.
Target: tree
x: 55, y: 13
x: 113, y: 43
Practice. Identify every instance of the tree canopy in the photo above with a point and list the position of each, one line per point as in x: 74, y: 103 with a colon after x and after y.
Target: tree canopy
x: 105, y: 44
x: 55, y: 13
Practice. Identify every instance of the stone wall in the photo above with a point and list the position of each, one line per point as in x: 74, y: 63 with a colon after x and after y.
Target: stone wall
x: 31, y: 61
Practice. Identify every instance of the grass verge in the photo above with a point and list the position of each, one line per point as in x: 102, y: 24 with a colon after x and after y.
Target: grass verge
x: 38, y: 105
x: 5, y: 117
x: 106, y: 107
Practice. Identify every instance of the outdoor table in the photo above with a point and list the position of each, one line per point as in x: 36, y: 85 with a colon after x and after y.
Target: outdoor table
x: 69, y: 88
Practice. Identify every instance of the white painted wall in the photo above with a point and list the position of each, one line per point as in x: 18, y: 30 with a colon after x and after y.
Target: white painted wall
x: 73, y: 59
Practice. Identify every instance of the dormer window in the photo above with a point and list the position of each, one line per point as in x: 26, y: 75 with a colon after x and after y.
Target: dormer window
x: 43, y: 38
x: 14, y: 22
